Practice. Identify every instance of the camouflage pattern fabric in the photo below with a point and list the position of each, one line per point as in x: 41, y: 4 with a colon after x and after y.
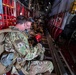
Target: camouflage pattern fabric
x: 18, y: 42
x: 37, y: 67
x: 35, y: 51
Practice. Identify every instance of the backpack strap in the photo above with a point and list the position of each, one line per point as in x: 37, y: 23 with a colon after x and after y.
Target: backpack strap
x: 8, y: 30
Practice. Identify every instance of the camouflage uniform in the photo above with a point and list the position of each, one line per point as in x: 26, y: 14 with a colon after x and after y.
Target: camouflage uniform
x: 17, y: 42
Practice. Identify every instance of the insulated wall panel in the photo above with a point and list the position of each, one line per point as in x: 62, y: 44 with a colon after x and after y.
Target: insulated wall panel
x: 63, y: 5
x: 55, y: 7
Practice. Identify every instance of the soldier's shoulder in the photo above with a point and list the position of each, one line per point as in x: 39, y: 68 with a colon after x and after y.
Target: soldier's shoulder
x: 13, y: 28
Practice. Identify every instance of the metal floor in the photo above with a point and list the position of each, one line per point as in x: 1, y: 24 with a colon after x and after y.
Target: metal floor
x: 51, y: 53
